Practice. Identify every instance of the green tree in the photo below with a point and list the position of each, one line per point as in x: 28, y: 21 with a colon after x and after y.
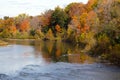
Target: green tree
x: 59, y: 17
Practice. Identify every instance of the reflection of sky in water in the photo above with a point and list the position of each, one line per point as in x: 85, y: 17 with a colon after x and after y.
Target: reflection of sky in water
x: 15, y: 57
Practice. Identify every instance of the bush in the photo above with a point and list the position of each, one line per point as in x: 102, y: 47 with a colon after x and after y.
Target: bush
x: 70, y: 35
x: 23, y: 35
x: 114, y: 55
x: 88, y: 39
x: 102, y: 45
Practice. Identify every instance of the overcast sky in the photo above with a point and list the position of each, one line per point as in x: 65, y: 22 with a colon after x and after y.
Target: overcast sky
x: 31, y: 7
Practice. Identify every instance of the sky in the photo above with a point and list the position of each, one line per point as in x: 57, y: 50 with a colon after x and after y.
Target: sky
x: 31, y: 7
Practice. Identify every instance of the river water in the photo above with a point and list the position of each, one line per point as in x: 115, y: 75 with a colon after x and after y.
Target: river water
x: 51, y: 60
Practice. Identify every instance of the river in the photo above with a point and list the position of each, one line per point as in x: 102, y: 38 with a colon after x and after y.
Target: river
x: 51, y: 60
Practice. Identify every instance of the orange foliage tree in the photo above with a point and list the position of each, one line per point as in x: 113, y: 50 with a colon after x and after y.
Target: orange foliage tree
x: 24, y: 27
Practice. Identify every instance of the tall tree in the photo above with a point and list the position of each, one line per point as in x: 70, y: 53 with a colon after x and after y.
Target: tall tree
x: 60, y: 17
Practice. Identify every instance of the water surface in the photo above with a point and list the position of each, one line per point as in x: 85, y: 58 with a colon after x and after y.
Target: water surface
x: 51, y: 60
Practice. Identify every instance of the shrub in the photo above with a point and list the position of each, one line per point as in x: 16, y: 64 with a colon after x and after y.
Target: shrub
x: 114, y: 55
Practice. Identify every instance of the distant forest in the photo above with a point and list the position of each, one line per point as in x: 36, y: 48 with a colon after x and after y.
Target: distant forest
x: 94, y: 26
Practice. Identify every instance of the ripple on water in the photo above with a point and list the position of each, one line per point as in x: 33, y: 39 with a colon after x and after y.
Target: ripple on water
x: 67, y: 71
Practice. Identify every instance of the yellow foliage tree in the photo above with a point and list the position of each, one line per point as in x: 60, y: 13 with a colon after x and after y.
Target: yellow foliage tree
x: 49, y: 35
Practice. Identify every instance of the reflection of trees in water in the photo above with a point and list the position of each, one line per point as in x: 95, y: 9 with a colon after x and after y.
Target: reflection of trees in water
x: 57, y: 51
x: 53, y: 49
x: 60, y: 51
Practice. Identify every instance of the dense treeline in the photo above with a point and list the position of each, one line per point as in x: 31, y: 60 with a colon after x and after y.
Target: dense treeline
x: 95, y: 26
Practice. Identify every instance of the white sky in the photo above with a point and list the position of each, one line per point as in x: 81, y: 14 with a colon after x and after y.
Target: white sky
x: 31, y: 7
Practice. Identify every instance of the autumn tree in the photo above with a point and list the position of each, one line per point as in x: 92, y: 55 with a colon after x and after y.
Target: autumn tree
x: 35, y: 22
x: 13, y: 30
x: 75, y: 9
x: 5, y: 27
x: 24, y: 26
x: 93, y: 22
x: 79, y: 23
x: 91, y: 5
x: 19, y: 19
x: 46, y: 18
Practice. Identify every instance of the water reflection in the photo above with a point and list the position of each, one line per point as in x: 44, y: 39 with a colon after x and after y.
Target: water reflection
x: 56, y: 51
x: 15, y: 57
x: 31, y: 59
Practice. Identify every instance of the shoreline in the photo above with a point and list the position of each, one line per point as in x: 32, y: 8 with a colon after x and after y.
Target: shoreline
x: 2, y: 43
